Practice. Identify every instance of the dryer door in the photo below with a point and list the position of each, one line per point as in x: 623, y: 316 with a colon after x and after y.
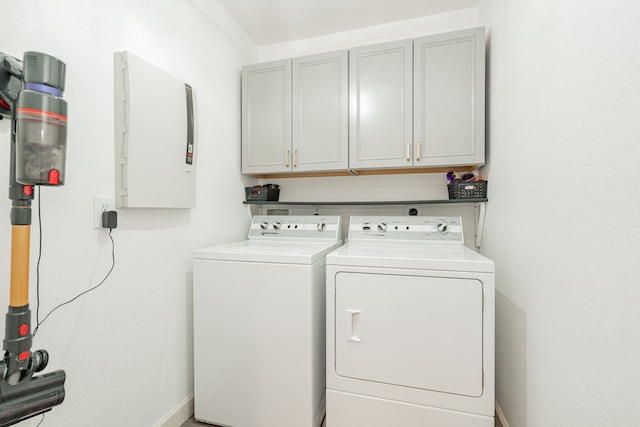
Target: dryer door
x: 411, y: 331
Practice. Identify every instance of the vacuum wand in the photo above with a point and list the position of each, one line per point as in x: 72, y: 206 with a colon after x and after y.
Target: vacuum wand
x: 38, y: 153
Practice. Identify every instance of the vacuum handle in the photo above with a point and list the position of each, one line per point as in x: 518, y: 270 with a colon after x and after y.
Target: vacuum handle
x: 20, y: 241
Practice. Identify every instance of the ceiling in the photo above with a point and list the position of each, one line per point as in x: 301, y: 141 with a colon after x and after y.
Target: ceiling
x: 274, y: 21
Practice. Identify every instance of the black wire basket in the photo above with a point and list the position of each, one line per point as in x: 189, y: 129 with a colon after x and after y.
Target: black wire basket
x: 264, y: 193
x: 468, y: 190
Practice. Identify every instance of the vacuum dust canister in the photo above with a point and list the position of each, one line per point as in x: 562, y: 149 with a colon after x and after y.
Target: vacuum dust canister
x: 41, y: 122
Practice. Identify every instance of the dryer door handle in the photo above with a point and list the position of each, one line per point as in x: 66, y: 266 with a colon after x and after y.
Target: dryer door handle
x: 354, y: 325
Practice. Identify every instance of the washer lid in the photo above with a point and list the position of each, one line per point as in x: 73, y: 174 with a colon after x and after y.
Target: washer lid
x: 414, y: 256
x: 269, y: 251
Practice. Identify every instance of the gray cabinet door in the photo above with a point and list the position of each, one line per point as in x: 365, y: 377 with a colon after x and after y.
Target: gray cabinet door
x: 266, y: 117
x: 320, y: 115
x: 449, y: 98
x: 380, y: 106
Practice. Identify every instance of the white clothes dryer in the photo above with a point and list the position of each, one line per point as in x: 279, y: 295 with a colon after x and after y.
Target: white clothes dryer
x: 259, y: 324
x: 410, y: 326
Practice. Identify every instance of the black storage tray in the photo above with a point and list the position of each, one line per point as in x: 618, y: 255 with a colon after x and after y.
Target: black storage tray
x: 262, y: 193
x: 468, y: 190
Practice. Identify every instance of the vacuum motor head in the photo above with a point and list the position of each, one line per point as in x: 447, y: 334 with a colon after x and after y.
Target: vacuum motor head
x: 31, y: 397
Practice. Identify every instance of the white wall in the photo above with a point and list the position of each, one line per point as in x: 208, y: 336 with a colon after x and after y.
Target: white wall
x: 127, y: 347
x: 420, y: 26
x: 562, y: 224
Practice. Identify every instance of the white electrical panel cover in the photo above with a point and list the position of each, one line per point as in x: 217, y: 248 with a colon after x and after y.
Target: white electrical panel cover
x: 154, y: 136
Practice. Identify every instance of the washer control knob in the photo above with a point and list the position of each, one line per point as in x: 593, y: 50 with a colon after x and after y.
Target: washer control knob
x: 322, y: 226
x: 442, y: 228
x: 264, y: 225
x: 277, y: 226
x: 382, y: 227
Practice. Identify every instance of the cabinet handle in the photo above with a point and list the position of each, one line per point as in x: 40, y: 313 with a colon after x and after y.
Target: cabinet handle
x: 408, y: 152
x: 418, y: 154
x: 295, y: 158
x: 286, y: 158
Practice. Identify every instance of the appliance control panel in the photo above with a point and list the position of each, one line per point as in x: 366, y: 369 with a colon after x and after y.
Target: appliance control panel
x: 418, y: 229
x: 307, y: 227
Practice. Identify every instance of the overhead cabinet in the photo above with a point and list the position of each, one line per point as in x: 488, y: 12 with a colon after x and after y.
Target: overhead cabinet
x: 295, y: 116
x: 406, y: 106
x: 418, y: 103
x: 381, y: 94
x: 266, y: 117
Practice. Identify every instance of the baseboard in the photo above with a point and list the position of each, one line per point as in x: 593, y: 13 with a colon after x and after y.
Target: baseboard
x: 178, y: 415
x: 500, y: 414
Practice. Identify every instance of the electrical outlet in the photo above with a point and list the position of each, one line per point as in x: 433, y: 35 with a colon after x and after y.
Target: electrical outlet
x: 101, y: 204
x: 411, y: 210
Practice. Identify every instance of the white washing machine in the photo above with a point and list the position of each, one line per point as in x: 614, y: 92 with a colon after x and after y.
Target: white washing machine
x: 410, y: 326
x: 259, y: 324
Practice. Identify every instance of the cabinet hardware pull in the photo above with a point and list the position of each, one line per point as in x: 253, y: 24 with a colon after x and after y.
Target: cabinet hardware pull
x: 408, y: 152
x: 286, y: 158
x: 418, y: 153
x: 295, y: 158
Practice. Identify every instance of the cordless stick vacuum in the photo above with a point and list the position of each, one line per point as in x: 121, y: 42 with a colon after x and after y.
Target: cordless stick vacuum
x: 31, y: 96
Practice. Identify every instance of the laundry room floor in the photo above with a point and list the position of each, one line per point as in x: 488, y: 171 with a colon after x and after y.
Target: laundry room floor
x: 191, y: 422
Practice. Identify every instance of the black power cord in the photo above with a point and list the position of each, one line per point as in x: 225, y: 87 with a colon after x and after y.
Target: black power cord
x: 113, y: 264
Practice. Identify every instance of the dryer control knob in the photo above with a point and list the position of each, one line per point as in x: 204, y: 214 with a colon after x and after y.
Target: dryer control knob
x: 277, y: 226
x: 382, y: 227
x: 442, y: 228
x: 322, y: 226
x: 264, y: 225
